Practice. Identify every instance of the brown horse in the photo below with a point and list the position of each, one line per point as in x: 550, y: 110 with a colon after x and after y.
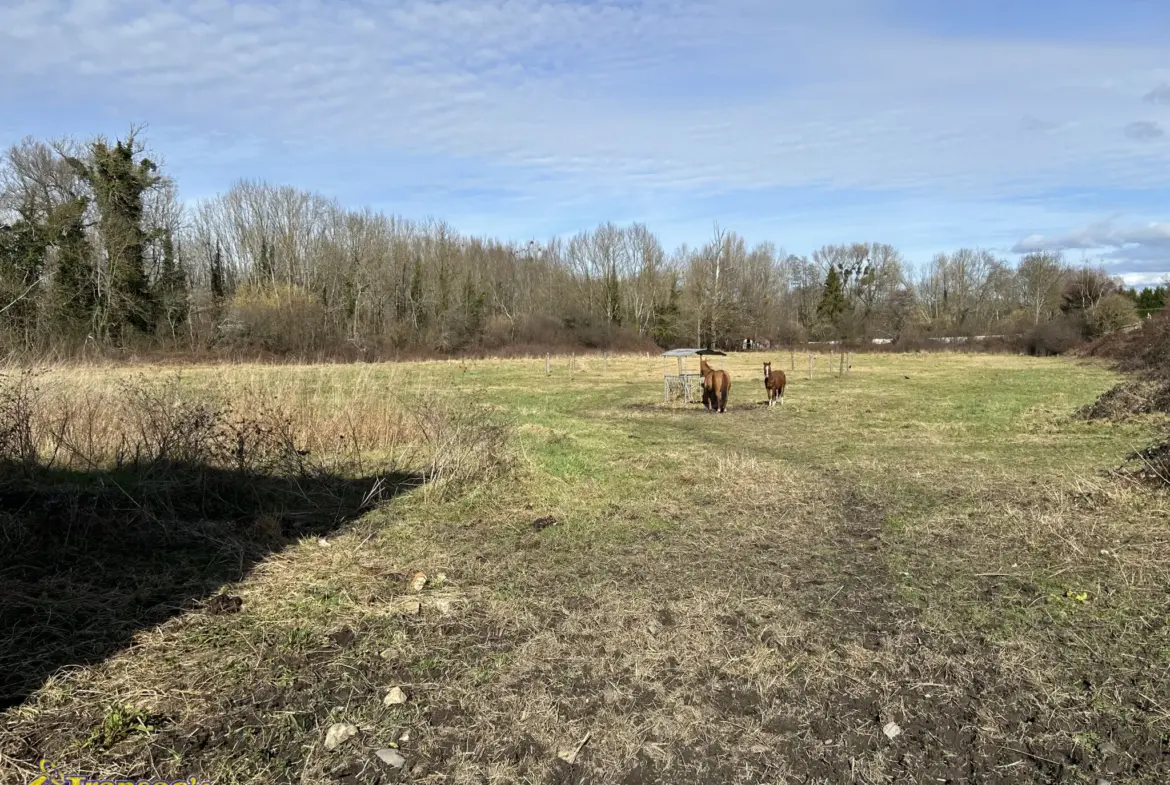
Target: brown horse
x: 716, y: 385
x: 774, y: 383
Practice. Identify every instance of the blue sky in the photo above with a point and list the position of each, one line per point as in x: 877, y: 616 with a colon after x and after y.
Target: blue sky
x: 1011, y: 125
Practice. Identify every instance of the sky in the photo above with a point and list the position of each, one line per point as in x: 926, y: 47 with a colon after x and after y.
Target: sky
x: 1011, y: 125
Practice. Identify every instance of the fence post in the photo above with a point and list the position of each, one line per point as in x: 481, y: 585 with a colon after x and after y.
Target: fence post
x: 547, y: 367
x: 605, y: 360
x: 810, y: 366
x: 792, y: 356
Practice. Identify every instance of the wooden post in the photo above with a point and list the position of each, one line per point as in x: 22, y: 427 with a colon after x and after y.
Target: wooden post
x: 810, y: 366
x: 547, y: 366
x: 605, y: 360
x: 792, y: 356
x: 572, y: 362
x: 848, y: 362
x: 841, y: 370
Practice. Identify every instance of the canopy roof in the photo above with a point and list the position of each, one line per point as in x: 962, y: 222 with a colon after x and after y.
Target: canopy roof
x: 693, y: 352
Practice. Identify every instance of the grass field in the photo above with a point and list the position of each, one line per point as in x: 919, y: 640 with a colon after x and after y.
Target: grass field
x: 918, y: 572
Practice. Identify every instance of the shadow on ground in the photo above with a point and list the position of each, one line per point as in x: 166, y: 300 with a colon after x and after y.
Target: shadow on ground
x: 88, y: 559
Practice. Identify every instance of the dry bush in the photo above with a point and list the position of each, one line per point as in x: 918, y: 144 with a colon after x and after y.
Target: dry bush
x: 140, y: 425
x: 467, y: 443
x: 19, y: 404
x: 1150, y: 466
x: 1145, y: 351
x: 1055, y: 337
x: 279, y: 319
x: 165, y: 437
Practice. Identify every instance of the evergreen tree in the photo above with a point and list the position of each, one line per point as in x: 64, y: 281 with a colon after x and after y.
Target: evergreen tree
x: 22, y: 257
x: 668, y: 317
x: 217, y: 283
x: 474, y: 304
x: 171, y: 287
x: 833, y: 302
x: 265, y: 271
x: 613, y: 297
x: 74, y: 285
x: 119, y: 181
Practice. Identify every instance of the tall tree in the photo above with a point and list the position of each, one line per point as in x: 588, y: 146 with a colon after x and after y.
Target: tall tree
x: 119, y: 177
x: 833, y: 303
x: 218, y: 275
x: 74, y: 283
x: 1039, y: 275
x: 171, y: 287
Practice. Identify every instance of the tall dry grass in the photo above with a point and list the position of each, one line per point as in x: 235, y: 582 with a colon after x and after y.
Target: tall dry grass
x: 251, y: 420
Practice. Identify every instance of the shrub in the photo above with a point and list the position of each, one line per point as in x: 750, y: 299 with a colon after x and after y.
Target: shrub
x: 1055, y: 337
x: 1112, y: 313
x: 276, y: 318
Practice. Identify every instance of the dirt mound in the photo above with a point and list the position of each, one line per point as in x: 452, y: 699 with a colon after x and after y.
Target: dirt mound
x: 1129, y: 399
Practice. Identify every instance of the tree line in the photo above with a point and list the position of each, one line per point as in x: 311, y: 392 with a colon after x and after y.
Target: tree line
x: 97, y: 253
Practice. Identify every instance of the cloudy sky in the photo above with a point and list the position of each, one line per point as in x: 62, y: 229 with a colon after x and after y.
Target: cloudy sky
x: 1012, y: 125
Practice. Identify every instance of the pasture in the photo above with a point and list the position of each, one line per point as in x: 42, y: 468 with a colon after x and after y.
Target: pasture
x: 918, y: 572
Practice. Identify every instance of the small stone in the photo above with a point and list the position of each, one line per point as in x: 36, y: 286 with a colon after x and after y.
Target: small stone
x: 338, y: 734
x: 443, y: 605
x: 395, y: 697
x: 406, y: 608
x: 1104, y: 782
x: 324, y: 543
x: 892, y: 730
x: 404, y: 737
x: 418, y: 581
x: 1108, y: 748
x: 392, y: 758
x: 569, y: 755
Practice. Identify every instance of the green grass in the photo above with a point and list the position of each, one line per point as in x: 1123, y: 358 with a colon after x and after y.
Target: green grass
x: 723, y: 598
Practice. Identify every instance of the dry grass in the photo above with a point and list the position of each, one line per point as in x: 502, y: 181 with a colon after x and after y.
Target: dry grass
x: 736, y: 598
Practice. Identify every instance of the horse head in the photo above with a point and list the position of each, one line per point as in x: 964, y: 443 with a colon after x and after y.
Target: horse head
x: 767, y: 370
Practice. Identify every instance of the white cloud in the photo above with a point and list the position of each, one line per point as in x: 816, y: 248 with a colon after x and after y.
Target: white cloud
x: 1140, y: 280
x: 1138, y: 249
x: 1102, y: 234
x: 670, y: 95
x: 651, y: 107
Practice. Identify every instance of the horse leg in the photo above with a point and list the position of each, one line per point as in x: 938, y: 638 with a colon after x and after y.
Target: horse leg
x: 723, y: 399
